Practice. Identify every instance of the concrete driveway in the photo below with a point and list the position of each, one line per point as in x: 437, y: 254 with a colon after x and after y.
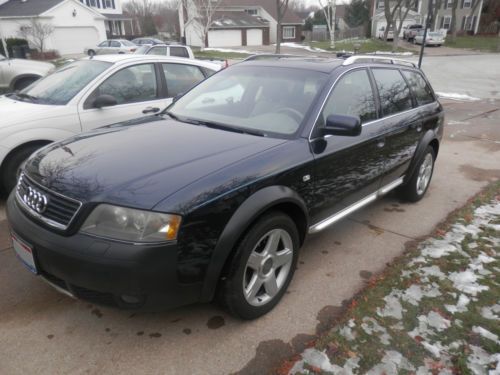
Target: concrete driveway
x: 47, y: 333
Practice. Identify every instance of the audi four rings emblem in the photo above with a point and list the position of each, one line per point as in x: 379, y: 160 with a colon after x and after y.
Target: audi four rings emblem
x: 35, y: 200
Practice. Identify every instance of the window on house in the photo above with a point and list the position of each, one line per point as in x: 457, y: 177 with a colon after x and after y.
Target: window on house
x: 469, y: 24
x: 449, y: 3
x: 252, y: 12
x: 380, y: 5
x: 108, y: 3
x: 446, y: 22
x: 467, y: 3
x: 93, y: 3
x: 288, y: 32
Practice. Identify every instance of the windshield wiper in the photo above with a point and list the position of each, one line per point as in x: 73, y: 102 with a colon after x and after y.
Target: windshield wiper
x: 170, y: 114
x: 26, y: 96
x: 216, y: 125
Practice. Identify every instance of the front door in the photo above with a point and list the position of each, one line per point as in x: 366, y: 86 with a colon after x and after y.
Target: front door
x: 347, y: 169
x: 137, y: 90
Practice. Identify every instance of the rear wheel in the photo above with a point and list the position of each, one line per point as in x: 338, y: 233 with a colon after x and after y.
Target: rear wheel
x: 419, y: 182
x: 12, y: 165
x: 91, y: 52
x: 262, y: 267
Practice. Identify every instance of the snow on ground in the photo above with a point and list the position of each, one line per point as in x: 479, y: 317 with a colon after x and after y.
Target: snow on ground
x: 230, y: 50
x: 427, y: 323
x: 388, y: 53
x: 455, y: 96
x: 303, y: 46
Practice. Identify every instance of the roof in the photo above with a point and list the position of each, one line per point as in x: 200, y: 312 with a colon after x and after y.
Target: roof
x: 269, y: 6
x: 125, y: 58
x: 19, y: 8
x: 323, y: 65
x: 230, y: 19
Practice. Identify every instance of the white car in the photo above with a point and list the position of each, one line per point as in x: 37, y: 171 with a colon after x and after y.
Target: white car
x: 16, y: 74
x: 390, y: 33
x: 112, y: 46
x: 87, y: 94
x: 176, y: 50
x: 433, y: 38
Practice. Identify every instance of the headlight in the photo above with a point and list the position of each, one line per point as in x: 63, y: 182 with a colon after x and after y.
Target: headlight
x: 132, y: 225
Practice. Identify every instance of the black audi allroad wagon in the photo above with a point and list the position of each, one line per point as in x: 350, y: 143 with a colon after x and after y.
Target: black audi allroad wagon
x: 215, y: 196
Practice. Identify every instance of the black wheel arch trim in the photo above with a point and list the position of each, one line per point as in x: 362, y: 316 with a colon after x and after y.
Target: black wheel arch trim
x: 429, y: 137
x: 23, y: 76
x: 253, y: 207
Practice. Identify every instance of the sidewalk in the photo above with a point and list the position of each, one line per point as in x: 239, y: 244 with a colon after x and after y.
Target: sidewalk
x: 435, y: 310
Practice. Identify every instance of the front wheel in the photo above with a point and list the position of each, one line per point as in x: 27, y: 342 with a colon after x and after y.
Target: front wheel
x: 262, y: 267
x: 415, y: 188
x: 12, y: 165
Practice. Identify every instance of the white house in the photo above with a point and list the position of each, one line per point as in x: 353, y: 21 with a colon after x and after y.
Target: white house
x: 77, y: 23
x: 241, y: 23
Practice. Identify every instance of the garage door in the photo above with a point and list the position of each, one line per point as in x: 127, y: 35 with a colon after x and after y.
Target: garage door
x: 74, y: 39
x: 224, y: 38
x: 254, y: 37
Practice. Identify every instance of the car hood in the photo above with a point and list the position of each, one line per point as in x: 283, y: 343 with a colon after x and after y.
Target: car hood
x: 31, y: 64
x: 15, y: 112
x: 139, y: 163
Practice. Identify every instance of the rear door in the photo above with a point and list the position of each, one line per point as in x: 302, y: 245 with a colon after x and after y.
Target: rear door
x: 401, y: 119
x: 347, y: 169
x: 138, y: 91
x: 158, y: 51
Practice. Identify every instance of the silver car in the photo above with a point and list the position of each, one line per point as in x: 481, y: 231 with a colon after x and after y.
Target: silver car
x: 16, y: 74
x: 112, y: 46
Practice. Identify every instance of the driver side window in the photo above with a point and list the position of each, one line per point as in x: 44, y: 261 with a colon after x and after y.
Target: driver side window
x: 351, y: 96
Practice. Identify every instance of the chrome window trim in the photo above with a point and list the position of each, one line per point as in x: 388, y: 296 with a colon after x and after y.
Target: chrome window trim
x: 369, y: 122
x: 315, y: 228
x: 35, y: 214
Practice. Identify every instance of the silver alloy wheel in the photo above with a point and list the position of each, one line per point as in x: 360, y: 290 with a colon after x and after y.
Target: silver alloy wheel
x: 424, y: 174
x: 268, y: 267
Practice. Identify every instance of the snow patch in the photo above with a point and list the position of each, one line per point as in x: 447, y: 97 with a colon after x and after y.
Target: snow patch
x: 456, y: 96
x: 466, y: 282
x: 392, y: 306
x: 461, y: 305
x: 304, y: 47
x: 486, y: 334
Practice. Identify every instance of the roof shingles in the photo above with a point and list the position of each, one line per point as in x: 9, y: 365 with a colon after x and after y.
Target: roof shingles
x: 27, y: 8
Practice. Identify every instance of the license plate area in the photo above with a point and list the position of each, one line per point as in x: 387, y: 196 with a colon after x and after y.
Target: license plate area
x: 24, y: 252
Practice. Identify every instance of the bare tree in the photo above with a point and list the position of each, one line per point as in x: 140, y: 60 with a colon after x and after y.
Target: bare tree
x: 200, y: 13
x: 143, y: 11
x: 402, y: 13
x: 453, y: 25
x: 329, y: 8
x: 36, y: 33
x: 281, y: 7
x: 437, y: 5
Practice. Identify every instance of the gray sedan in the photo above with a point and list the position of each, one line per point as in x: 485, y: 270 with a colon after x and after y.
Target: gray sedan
x: 112, y: 46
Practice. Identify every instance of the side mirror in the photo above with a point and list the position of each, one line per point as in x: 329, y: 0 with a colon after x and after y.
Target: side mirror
x: 105, y: 101
x: 342, y: 125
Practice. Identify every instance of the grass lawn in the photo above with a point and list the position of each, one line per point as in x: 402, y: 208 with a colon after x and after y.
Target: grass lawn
x: 434, y: 310
x: 480, y: 43
x: 217, y: 55
x: 366, y: 46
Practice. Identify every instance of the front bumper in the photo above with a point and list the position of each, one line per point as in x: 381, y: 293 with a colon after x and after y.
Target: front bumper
x: 102, y: 271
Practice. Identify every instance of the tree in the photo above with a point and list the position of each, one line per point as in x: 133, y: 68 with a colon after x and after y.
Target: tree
x: 36, y: 33
x: 143, y: 11
x: 281, y: 7
x: 399, y: 11
x: 200, y: 13
x: 437, y: 5
x: 357, y: 13
x: 453, y: 25
x: 329, y: 9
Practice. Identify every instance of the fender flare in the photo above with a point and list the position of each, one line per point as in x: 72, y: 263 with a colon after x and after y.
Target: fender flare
x: 22, y: 76
x: 243, y: 217
x: 428, y: 137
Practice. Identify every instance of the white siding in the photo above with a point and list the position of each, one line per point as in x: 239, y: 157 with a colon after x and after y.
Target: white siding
x: 224, y: 38
x: 73, y: 40
x: 254, y: 37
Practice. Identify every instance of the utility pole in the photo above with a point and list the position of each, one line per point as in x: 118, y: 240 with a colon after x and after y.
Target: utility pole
x: 427, y: 24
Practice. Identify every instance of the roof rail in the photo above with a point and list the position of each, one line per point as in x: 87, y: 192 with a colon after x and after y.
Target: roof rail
x: 389, y: 60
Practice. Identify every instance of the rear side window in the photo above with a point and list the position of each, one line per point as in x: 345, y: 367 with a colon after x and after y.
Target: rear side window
x: 179, y: 52
x: 181, y: 77
x: 160, y: 51
x: 419, y: 86
x: 352, y: 96
x: 394, y: 93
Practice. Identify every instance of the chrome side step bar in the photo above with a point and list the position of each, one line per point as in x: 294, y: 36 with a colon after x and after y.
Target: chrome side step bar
x: 355, y: 206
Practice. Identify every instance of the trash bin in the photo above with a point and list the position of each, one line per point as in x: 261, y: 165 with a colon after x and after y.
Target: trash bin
x: 19, y: 52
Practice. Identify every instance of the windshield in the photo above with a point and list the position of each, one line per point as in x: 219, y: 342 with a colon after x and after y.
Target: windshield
x: 435, y: 34
x: 267, y: 100
x: 62, y: 85
x: 142, y: 50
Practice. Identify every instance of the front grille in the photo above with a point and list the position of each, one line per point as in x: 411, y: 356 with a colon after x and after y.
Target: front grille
x: 52, y: 208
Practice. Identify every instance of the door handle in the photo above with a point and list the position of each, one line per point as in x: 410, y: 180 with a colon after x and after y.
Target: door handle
x: 419, y: 128
x: 381, y: 142
x: 150, y: 110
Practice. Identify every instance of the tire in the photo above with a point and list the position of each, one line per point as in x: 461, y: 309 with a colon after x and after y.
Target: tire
x: 12, y: 164
x: 91, y: 52
x: 24, y: 82
x: 416, y: 187
x: 255, y: 263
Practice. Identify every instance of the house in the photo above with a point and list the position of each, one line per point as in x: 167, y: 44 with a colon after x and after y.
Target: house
x: 468, y: 14
x: 379, y: 21
x: 241, y: 23
x: 76, y: 23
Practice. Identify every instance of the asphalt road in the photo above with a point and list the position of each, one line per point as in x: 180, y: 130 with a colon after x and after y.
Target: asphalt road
x: 44, y: 332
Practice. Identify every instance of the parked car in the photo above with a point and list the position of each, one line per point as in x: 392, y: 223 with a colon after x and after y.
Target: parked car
x: 390, y: 33
x: 166, y: 50
x: 87, y: 94
x: 112, y: 46
x: 216, y: 198
x: 16, y: 74
x: 147, y: 41
x: 411, y: 31
x: 434, y: 38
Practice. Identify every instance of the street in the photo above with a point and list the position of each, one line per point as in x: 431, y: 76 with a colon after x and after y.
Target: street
x: 45, y: 332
